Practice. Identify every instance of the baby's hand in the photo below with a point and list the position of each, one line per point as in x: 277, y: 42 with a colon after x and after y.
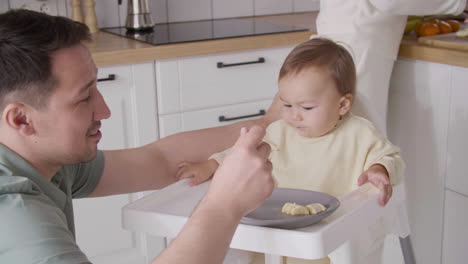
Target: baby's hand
x: 378, y: 176
x: 198, y: 172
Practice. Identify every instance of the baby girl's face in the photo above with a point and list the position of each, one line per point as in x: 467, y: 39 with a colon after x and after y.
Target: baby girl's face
x: 311, y: 102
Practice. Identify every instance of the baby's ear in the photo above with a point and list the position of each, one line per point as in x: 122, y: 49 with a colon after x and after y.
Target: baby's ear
x: 346, y: 101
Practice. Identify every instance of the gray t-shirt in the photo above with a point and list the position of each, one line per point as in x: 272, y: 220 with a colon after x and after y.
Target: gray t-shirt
x: 36, y: 214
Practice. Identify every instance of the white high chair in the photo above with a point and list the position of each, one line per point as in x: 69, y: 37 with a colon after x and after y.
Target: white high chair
x: 351, y: 235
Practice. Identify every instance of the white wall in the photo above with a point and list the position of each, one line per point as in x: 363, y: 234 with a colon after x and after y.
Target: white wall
x: 110, y: 14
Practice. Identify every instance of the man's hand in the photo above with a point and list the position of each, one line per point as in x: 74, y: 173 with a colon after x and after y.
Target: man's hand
x: 378, y: 176
x: 243, y: 180
x: 198, y: 172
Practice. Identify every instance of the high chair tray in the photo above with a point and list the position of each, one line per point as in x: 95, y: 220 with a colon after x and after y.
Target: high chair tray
x: 164, y: 213
x: 269, y: 214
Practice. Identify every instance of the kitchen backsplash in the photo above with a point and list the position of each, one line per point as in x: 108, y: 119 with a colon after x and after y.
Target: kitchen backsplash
x: 110, y: 14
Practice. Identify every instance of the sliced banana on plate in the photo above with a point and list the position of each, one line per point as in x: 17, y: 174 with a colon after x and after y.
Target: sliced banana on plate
x: 297, y: 209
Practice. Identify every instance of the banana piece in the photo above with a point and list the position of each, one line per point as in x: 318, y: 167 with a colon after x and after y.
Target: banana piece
x: 315, y: 208
x: 287, y: 207
x: 294, y: 209
x: 299, y: 210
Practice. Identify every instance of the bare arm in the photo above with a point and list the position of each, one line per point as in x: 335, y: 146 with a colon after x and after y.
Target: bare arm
x: 155, y: 165
x: 421, y: 7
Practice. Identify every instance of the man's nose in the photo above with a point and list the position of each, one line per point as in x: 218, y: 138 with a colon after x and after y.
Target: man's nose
x: 102, y: 110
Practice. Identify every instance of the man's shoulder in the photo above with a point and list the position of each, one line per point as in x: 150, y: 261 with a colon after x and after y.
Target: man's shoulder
x: 33, y: 228
x: 17, y: 185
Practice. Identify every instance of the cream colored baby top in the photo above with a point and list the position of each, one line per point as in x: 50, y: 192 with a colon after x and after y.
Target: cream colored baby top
x: 331, y: 163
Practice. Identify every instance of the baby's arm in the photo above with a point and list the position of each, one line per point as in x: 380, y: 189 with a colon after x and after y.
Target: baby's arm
x: 200, y: 171
x: 378, y: 176
x: 383, y: 167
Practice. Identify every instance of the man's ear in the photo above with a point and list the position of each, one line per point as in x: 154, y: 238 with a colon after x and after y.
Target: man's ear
x: 346, y: 102
x: 17, y: 116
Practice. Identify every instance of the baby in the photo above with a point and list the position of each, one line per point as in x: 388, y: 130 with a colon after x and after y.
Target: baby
x: 318, y: 144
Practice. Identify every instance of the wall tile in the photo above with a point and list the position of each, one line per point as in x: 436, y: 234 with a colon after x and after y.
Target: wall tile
x: 188, y: 10
x: 230, y: 8
x: 266, y: 7
x: 158, y: 9
x: 107, y: 12
x: 306, y: 5
x: 4, y: 6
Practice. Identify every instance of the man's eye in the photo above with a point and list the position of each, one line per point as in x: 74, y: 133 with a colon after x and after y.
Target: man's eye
x: 86, y: 99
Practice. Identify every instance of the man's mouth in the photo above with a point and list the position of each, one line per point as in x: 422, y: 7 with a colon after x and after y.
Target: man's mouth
x: 95, y: 129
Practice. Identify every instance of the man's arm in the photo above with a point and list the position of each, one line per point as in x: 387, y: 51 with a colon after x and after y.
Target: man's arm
x: 154, y: 166
x: 421, y: 7
x: 242, y: 182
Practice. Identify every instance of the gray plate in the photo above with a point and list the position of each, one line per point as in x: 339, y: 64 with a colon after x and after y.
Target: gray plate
x: 269, y: 214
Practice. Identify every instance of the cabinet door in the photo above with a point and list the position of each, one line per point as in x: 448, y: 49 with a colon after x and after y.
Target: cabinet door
x: 174, y: 123
x: 455, y: 229
x: 132, y: 101
x: 196, y: 83
x: 457, y: 158
x: 417, y: 122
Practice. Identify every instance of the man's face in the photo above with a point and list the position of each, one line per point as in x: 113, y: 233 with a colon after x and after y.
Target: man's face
x: 67, y: 129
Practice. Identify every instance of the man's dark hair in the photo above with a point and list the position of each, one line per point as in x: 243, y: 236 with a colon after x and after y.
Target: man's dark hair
x: 27, y: 40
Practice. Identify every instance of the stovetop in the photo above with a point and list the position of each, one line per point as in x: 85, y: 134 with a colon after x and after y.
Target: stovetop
x: 170, y: 33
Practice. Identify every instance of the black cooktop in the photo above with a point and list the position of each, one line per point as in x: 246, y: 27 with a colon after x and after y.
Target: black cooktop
x: 179, y: 32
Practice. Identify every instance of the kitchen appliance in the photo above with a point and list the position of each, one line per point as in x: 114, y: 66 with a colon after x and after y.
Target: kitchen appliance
x: 178, y: 32
x: 138, y: 16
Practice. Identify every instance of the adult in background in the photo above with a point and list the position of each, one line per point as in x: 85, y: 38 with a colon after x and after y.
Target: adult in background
x: 373, y: 29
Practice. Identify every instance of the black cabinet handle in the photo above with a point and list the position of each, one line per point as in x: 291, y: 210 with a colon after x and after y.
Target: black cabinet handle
x: 225, y: 119
x: 110, y: 77
x: 223, y: 65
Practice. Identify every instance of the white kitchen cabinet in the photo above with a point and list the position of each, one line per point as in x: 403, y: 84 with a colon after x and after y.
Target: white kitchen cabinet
x: 428, y: 120
x: 455, y: 229
x: 131, y: 98
x: 193, y: 93
x: 457, y: 158
x: 174, y: 123
x: 418, y: 112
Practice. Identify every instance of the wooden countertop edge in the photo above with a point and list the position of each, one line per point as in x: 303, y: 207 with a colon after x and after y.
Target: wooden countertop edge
x: 414, y: 50
x: 126, y: 51
x: 145, y: 54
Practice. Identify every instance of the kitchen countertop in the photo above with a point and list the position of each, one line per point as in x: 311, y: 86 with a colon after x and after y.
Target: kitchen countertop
x: 108, y: 49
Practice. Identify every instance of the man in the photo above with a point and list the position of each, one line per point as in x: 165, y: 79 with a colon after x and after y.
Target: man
x: 51, y: 112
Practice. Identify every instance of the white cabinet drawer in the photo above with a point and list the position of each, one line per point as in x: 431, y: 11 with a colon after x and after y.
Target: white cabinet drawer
x: 457, y: 174
x: 455, y: 229
x: 174, y: 123
x: 196, y: 83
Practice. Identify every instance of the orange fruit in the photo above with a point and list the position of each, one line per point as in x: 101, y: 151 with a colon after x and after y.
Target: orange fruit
x: 427, y: 29
x: 455, y: 24
x: 444, y: 27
